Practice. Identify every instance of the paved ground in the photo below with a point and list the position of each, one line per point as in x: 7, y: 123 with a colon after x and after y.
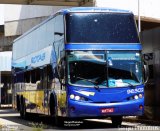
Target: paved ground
x: 10, y: 120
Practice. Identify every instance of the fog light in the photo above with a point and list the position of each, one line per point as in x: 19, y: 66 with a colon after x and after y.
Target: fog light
x: 136, y: 97
x: 77, y: 98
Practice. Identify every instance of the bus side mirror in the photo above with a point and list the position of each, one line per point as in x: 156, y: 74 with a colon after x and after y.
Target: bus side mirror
x: 146, y: 72
x: 58, y: 33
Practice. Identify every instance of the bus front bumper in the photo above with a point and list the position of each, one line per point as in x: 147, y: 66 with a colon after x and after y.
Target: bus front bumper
x: 86, y: 109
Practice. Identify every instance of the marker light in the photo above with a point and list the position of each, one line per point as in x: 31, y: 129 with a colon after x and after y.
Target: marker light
x: 77, y: 98
x: 140, y: 95
x: 141, y: 107
x: 136, y: 97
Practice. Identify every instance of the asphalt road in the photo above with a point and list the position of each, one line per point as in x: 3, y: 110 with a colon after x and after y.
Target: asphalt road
x: 10, y: 120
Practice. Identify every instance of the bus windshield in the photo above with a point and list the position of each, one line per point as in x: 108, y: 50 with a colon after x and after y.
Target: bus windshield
x: 101, y: 28
x: 104, y: 68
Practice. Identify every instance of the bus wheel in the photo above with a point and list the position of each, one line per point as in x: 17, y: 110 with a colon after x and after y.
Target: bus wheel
x: 56, y: 120
x: 116, y: 121
x: 23, y: 112
x: 18, y: 102
x: 52, y: 108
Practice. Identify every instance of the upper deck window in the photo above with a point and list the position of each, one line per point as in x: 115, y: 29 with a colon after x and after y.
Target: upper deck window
x: 101, y: 28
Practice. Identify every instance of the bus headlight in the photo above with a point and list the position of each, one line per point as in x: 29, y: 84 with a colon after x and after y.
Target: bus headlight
x: 77, y: 98
x: 136, y: 97
x: 72, y: 96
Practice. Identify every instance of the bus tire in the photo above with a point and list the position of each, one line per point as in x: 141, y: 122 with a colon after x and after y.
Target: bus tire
x: 56, y: 120
x: 21, y: 104
x: 52, y: 108
x: 18, y: 102
x: 23, y: 112
x: 116, y: 121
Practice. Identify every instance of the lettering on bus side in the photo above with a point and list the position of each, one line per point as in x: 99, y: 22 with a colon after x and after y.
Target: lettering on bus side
x: 38, y: 58
x: 133, y: 91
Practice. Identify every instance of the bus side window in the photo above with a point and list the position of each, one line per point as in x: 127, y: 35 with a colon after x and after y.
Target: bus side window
x: 45, y: 79
x: 19, y: 80
x: 19, y: 77
x: 38, y: 78
x: 50, y: 73
x: 33, y: 76
x: 27, y: 77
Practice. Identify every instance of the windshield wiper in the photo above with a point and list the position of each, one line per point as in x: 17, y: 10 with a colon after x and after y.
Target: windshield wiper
x: 100, y: 79
x: 93, y: 82
x: 132, y: 86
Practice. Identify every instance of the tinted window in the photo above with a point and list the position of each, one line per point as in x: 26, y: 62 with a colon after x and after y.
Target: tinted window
x: 27, y: 76
x: 101, y: 28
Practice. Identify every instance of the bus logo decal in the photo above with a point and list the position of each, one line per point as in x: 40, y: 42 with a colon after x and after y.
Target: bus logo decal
x: 133, y: 91
x: 38, y: 58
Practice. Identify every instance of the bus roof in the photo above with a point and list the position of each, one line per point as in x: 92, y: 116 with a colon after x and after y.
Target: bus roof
x: 93, y: 9
x: 75, y: 9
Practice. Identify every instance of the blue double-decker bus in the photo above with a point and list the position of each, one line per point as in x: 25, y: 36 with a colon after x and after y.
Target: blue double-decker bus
x: 80, y: 63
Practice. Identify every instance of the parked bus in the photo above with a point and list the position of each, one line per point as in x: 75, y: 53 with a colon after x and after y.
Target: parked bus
x: 80, y: 63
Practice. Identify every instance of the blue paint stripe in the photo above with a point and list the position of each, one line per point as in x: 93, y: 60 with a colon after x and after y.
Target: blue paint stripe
x: 129, y: 46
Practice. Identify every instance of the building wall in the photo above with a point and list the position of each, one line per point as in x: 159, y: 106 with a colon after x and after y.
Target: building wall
x: 20, y: 12
x: 5, y: 77
x: 151, y: 50
x: 5, y: 61
x: 2, y: 14
x: 6, y: 42
x: 148, y: 8
x: 19, y: 27
x: 6, y: 96
x: 151, y: 40
x: 25, y: 17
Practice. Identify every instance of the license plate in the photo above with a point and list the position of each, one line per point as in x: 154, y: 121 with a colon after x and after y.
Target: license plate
x: 107, y: 110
